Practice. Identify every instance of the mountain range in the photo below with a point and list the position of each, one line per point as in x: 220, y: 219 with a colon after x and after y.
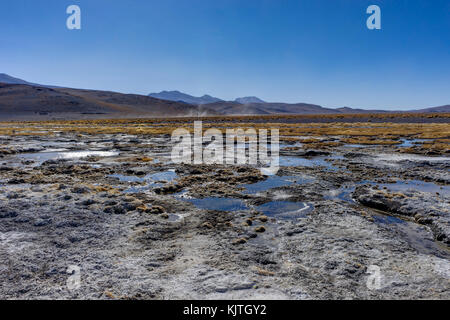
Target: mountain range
x: 205, y: 99
x: 23, y: 99
x: 183, y: 97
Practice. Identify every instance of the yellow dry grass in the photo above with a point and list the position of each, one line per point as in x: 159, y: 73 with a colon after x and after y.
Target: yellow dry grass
x: 370, y: 133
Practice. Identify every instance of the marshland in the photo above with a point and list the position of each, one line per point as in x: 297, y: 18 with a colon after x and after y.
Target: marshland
x: 352, y: 192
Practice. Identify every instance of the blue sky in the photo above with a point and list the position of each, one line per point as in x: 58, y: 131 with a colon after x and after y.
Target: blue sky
x: 292, y: 51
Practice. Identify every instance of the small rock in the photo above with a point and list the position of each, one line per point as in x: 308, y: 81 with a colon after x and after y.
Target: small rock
x: 239, y: 241
x: 81, y: 190
x: 260, y: 229
x: 88, y: 202
x: 207, y: 225
x: 157, y: 209
x: 118, y: 209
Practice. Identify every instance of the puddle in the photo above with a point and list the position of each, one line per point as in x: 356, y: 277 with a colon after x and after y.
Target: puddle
x: 274, y: 182
x: 174, y: 217
x: 384, y: 219
x: 356, y: 145
x: 44, y: 156
x: 344, y: 193
x: 124, y: 178
x: 418, y: 237
x: 405, y: 143
x: 151, y: 180
x: 219, y: 204
x: 285, y: 209
x: 168, y: 176
x: 416, y: 185
x: 410, y: 142
x: 291, y: 161
x: 56, y: 150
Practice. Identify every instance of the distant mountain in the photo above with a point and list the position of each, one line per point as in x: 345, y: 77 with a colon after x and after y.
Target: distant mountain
x: 22, y: 99
x: 233, y: 107
x: 254, y: 105
x: 183, y: 97
x: 180, y: 96
x: 355, y: 110
x: 445, y: 108
x: 246, y: 100
x: 5, y: 78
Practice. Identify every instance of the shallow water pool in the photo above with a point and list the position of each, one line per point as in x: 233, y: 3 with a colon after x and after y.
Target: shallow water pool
x: 274, y: 182
x: 44, y: 156
x: 417, y: 185
x: 219, y: 204
x: 285, y: 209
x: 292, y: 161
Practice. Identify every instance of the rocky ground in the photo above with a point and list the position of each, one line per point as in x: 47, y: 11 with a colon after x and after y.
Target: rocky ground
x: 141, y: 227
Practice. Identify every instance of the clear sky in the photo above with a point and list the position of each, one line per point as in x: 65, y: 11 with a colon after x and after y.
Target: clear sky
x: 312, y: 51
